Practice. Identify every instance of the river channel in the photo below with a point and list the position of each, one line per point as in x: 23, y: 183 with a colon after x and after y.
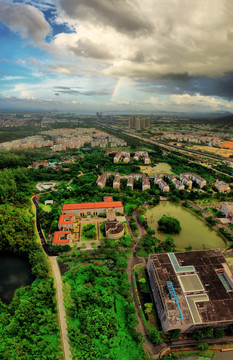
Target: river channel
x: 194, y: 231
x: 14, y: 273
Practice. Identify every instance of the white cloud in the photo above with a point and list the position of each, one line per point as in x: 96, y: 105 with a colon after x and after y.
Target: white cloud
x: 26, y: 20
x: 149, y: 39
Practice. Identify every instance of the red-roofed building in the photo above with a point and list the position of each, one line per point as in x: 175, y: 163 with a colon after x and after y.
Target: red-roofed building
x: 108, y: 198
x: 96, y: 208
x: 61, y: 238
x: 66, y: 222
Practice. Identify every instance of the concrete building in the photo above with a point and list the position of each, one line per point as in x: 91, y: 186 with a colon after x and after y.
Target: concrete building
x: 122, y: 155
x: 144, y: 155
x: 163, y: 185
x: 145, y: 183
x: 117, y: 182
x: 178, y: 184
x: 192, y: 290
x: 130, y: 182
x: 138, y: 123
x: 227, y: 209
x: 194, y: 177
x: 101, y: 182
x: 222, y: 186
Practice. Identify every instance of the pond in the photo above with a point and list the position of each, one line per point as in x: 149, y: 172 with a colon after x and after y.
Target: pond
x: 194, y: 231
x: 14, y: 273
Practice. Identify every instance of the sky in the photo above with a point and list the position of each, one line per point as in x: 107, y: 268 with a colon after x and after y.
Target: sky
x: 116, y: 55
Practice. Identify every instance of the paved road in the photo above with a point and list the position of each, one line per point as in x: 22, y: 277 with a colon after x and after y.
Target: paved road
x: 61, y: 308
x: 39, y: 230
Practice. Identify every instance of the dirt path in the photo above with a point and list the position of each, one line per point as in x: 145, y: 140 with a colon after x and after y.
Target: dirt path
x: 61, y: 308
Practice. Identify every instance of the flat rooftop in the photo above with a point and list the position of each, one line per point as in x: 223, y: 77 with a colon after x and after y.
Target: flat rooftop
x: 202, y: 282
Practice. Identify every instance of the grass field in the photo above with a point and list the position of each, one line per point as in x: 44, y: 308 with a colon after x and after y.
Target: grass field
x: 46, y: 208
x: 153, y: 170
x: 84, y: 236
x: 213, y: 150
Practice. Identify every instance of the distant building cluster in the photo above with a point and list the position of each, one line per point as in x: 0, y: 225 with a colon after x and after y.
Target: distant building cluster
x: 193, y: 138
x: 104, y: 140
x: 139, y: 123
x: 185, y: 179
x: 28, y: 142
x: 19, y: 119
x: 62, y: 139
x: 125, y: 156
x: 109, y: 119
x: 101, y: 181
x: 191, y: 290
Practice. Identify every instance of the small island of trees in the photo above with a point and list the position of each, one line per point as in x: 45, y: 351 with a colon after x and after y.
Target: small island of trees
x: 169, y: 225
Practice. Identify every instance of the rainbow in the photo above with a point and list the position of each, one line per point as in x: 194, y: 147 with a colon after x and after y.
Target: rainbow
x: 118, y: 83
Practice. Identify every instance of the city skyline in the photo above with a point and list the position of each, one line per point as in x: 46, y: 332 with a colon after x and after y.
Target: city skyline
x: 103, y: 55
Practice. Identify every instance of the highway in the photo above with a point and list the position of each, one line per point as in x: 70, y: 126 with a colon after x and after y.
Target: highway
x: 174, y: 147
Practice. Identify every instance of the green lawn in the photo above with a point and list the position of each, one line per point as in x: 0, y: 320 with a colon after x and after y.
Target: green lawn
x: 45, y: 207
x: 89, y: 232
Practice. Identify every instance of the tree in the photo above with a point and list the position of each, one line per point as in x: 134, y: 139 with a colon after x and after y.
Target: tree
x: 155, y: 336
x: 219, y: 333
x: 211, y: 220
x: 203, y: 346
x: 149, y: 307
x: 174, y: 334
x: 169, y: 225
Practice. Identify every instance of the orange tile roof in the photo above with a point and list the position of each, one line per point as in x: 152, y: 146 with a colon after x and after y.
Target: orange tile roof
x: 62, y: 220
x: 96, y: 205
x: 108, y: 198
x: 56, y: 238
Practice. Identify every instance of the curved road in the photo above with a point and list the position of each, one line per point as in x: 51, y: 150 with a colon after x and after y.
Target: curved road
x: 58, y: 286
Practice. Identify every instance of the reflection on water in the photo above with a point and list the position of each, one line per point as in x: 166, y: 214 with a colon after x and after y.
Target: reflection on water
x: 14, y: 273
x: 194, y: 231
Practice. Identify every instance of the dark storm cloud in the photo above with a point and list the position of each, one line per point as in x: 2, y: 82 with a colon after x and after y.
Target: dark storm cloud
x: 68, y: 91
x: 86, y: 48
x: 119, y: 14
x: 184, y: 84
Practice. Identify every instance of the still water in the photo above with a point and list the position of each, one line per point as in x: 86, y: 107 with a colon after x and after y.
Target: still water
x: 194, y: 231
x: 14, y: 273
